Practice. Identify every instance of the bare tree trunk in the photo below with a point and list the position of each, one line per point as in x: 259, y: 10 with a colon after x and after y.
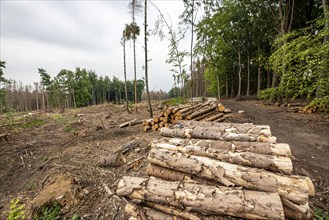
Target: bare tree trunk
x: 226, y: 87
x: 43, y: 99
x: 146, y: 61
x: 240, y: 69
x: 248, y: 76
x: 191, y: 48
x: 125, y: 71
x: 218, y: 87
x: 37, y: 96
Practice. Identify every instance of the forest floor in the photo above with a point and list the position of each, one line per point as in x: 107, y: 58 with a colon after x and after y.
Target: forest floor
x: 53, y: 158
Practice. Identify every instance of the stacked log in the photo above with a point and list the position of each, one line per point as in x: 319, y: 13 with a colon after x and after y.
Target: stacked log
x: 239, y: 171
x: 211, y: 111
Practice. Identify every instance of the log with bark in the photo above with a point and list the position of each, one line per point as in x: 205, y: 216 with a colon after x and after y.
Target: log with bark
x: 201, y: 112
x: 131, y: 123
x: 115, y: 160
x: 204, y: 199
x: 268, y: 162
x: 293, y: 188
x: 231, y: 132
x: 278, y: 149
x: 214, y: 117
x: 141, y: 212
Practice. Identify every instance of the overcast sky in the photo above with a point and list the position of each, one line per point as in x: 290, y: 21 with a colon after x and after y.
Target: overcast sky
x: 57, y: 35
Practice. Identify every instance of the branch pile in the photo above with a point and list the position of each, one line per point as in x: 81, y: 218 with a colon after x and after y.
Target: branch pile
x: 239, y: 171
x: 211, y: 111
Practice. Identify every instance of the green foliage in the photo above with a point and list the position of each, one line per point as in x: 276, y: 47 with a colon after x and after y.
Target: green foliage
x: 299, y: 60
x: 319, y: 104
x: 319, y: 214
x: 16, y: 211
x: 51, y: 212
x: 175, y: 101
x: 2, y: 82
x: 271, y: 94
x: 48, y: 212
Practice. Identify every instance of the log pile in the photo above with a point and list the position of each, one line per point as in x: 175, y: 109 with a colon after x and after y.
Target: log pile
x: 237, y: 172
x: 211, y: 111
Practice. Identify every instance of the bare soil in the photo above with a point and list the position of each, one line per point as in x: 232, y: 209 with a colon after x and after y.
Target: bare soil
x: 56, y: 160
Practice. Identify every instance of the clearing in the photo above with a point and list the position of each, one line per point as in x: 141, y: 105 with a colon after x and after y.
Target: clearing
x: 54, y: 157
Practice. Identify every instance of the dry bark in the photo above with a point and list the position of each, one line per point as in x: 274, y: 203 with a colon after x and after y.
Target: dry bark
x: 278, y: 149
x: 149, y: 213
x: 201, y: 112
x: 216, y: 116
x: 115, y: 160
x: 293, y: 188
x: 204, y: 199
x: 268, y: 162
x: 233, y: 133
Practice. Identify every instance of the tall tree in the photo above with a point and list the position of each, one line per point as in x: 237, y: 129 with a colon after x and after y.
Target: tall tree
x: 125, y: 37
x: 146, y: 59
x: 45, y: 83
x: 135, y: 8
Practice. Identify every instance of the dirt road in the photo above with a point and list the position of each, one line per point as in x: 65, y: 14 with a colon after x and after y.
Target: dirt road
x: 307, y: 135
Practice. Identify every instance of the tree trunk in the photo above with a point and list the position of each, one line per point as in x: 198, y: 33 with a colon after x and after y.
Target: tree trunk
x: 125, y: 72
x: 268, y: 162
x: 146, y: 60
x: 204, y: 199
x: 248, y: 76
x: 135, y: 77
x: 216, y: 116
x: 218, y: 87
x: 240, y: 69
x: 191, y: 49
x: 293, y: 188
x: 115, y: 160
x: 226, y: 87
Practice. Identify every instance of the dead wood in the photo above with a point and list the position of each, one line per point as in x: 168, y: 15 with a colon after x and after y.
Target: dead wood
x: 115, y: 160
x: 203, y: 199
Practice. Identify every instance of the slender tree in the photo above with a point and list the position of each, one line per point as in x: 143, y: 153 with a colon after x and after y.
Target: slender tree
x: 135, y: 8
x: 146, y: 59
x: 125, y: 37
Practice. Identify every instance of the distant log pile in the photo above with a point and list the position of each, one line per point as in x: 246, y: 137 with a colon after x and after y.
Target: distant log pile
x: 231, y: 171
x: 211, y: 111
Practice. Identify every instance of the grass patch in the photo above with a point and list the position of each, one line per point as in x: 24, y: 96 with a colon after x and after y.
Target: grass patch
x: 51, y: 212
x: 175, y: 101
x: 319, y: 214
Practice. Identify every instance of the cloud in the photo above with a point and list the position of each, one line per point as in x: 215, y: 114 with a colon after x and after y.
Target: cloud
x: 66, y: 34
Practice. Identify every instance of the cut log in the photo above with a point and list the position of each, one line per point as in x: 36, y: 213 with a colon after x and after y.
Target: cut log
x: 147, y: 122
x: 146, y: 128
x: 216, y: 116
x: 131, y: 123
x: 156, y: 119
x: 279, y: 149
x: 190, y: 108
x: 294, y: 188
x: 149, y: 213
x: 128, y: 146
x: 204, y: 199
x: 203, y: 116
x: 223, y: 118
x: 174, y: 175
x: 268, y: 162
x: 201, y: 112
x: 115, y: 160
x: 220, y: 108
x: 217, y: 133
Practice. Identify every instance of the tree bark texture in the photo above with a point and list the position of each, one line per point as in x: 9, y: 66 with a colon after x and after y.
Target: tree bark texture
x: 293, y: 188
x: 268, y: 162
x: 220, y: 131
x: 204, y: 199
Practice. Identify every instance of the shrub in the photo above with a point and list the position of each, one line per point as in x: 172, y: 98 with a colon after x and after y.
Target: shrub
x: 271, y: 94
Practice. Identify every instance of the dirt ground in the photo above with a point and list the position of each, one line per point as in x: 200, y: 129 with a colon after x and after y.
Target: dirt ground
x: 56, y: 160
